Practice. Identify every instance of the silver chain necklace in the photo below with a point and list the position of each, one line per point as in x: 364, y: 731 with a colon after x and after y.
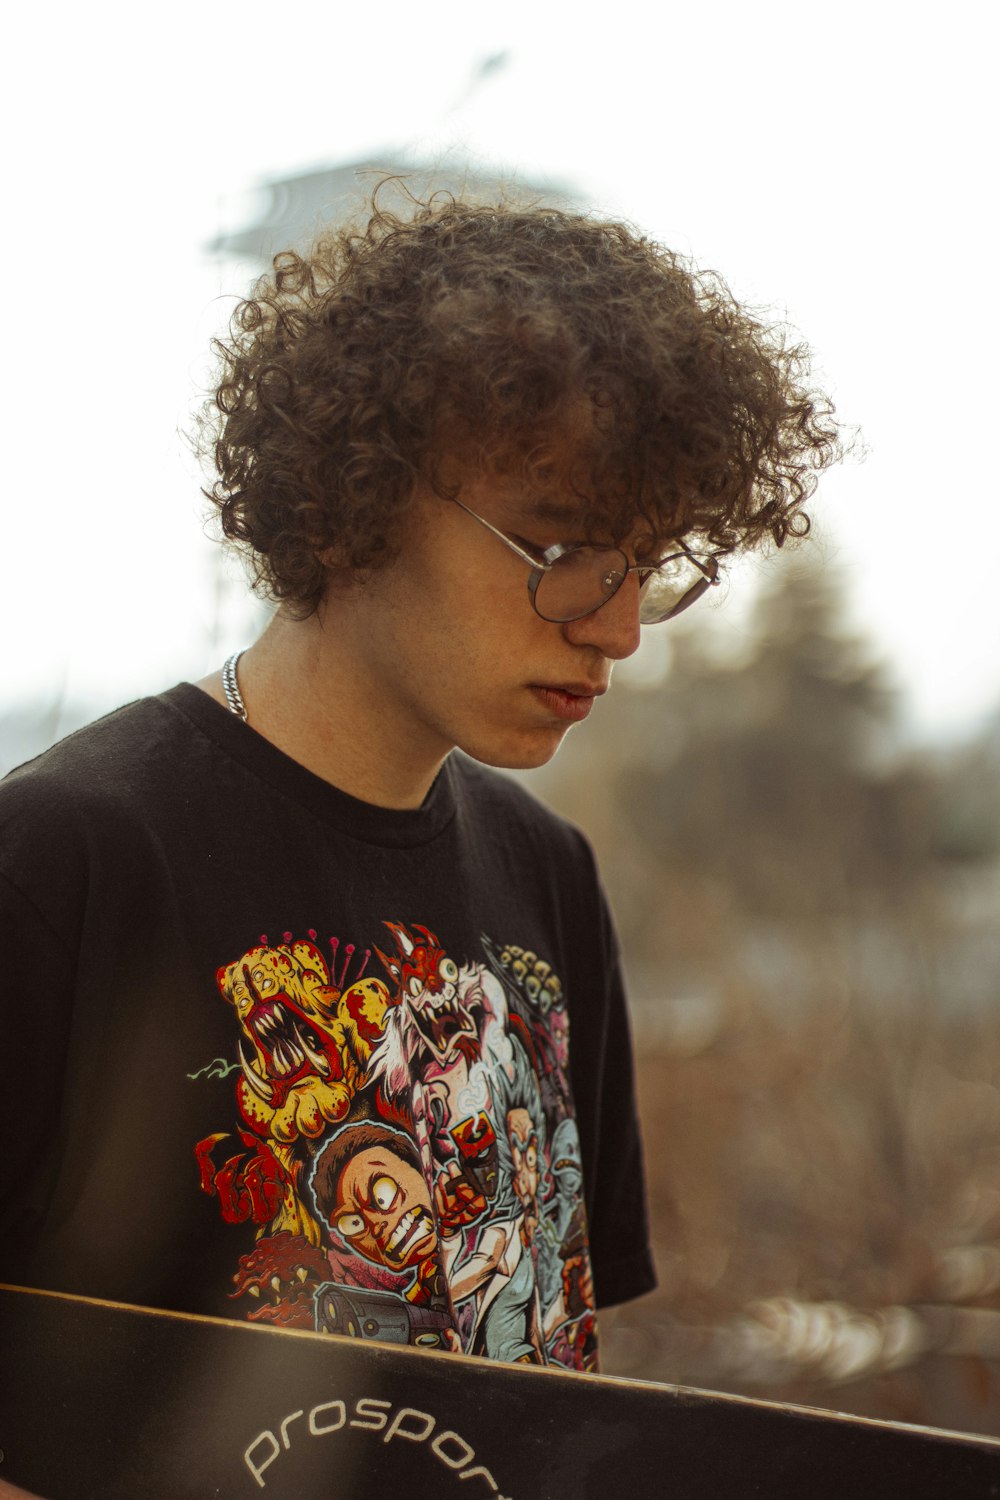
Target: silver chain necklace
x: 231, y: 687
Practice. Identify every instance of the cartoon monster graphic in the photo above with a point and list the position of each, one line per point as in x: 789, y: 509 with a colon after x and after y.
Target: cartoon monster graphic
x: 391, y: 1147
x: 369, y: 1190
x: 537, y: 1003
x: 305, y: 1041
x: 428, y: 1065
x: 304, y: 1045
x: 492, y: 1279
x: 434, y: 1023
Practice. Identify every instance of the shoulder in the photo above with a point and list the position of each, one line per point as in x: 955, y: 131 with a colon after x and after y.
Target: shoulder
x: 98, y: 766
x: 86, y: 810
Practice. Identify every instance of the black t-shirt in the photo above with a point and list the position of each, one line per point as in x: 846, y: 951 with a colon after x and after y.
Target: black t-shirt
x: 272, y: 1052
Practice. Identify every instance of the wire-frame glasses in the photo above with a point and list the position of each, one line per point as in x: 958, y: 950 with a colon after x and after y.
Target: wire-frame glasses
x: 569, y: 581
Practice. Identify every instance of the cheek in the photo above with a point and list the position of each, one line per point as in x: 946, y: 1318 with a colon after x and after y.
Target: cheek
x: 469, y: 654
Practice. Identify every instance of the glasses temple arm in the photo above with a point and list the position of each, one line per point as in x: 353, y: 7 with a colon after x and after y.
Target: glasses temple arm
x: 535, y: 562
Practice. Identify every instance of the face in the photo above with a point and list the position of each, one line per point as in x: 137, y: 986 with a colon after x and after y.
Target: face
x: 383, y: 1209
x: 286, y: 1008
x: 450, y: 644
x: 524, y: 1153
x: 429, y: 984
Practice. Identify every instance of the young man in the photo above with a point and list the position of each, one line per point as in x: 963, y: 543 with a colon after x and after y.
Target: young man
x: 258, y: 922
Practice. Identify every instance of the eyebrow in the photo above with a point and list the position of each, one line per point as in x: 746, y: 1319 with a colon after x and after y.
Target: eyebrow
x: 555, y: 510
x: 561, y: 513
x: 380, y: 1168
x: 573, y: 521
x: 356, y: 1203
x: 567, y: 514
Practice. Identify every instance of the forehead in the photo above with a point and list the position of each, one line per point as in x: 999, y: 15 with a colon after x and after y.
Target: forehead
x: 512, y: 501
x: 364, y: 1165
x: 546, y: 517
x: 520, y: 1124
x: 568, y: 492
x: 581, y: 477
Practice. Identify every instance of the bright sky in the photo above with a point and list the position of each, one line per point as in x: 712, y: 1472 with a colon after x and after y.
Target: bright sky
x: 833, y: 163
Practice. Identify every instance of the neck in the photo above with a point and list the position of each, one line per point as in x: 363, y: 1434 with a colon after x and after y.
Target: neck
x: 307, y: 690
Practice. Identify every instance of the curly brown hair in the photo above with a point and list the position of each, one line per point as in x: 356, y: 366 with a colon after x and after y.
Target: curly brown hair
x: 501, y: 337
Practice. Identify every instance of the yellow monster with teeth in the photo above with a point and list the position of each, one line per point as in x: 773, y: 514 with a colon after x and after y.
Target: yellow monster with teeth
x: 304, y: 1047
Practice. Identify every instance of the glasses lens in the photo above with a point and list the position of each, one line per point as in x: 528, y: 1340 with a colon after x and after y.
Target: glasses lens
x: 675, y: 584
x: 580, y: 581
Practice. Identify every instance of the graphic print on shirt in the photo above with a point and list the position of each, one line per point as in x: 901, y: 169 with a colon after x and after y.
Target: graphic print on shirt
x: 405, y: 1147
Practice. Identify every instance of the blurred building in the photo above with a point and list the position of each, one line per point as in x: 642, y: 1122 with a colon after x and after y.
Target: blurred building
x: 294, y: 208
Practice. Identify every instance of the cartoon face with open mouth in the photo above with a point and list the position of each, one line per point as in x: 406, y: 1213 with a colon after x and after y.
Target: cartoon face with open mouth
x: 286, y: 1008
x: 430, y: 985
x: 376, y: 1198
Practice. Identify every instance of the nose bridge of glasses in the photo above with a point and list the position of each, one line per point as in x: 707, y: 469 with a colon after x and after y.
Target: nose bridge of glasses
x: 569, y: 581
x: 610, y: 572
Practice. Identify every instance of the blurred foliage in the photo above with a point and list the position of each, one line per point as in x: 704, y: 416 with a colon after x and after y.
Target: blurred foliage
x: 774, y: 791
x: 807, y: 907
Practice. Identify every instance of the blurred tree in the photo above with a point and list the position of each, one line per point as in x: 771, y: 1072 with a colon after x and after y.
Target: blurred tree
x: 968, y: 823
x: 785, y: 787
x: 773, y: 788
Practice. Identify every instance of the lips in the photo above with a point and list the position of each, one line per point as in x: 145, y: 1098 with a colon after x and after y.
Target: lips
x: 569, y: 701
x: 576, y: 689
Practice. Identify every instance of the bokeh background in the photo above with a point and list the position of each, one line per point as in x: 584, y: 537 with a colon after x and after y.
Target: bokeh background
x: 795, y: 791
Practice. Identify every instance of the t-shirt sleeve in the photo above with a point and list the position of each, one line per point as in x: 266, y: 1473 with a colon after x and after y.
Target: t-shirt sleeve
x: 35, y: 1017
x: 603, y: 1070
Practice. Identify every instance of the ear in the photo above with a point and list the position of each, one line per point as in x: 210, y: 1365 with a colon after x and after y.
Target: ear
x: 403, y: 939
x: 392, y: 968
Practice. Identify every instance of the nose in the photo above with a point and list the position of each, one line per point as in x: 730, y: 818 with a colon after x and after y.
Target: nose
x: 613, y: 628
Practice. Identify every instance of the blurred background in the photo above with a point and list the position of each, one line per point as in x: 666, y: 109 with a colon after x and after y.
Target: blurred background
x: 795, y: 790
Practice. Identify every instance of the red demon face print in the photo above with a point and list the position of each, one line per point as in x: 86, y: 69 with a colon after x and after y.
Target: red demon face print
x: 428, y: 984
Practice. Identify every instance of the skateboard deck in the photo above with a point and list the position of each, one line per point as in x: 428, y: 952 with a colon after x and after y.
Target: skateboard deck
x: 101, y: 1401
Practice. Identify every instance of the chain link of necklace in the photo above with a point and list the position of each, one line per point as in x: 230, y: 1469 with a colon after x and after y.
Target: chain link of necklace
x: 231, y: 687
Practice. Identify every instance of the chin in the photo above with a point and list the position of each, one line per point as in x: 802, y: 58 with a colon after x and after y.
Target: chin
x: 526, y: 753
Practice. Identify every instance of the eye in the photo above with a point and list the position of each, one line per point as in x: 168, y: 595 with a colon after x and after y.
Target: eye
x: 351, y: 1225
x: 415, y: 987
x: 384, y: 1191
x: 532, y: 1158
x: 449, y: 969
